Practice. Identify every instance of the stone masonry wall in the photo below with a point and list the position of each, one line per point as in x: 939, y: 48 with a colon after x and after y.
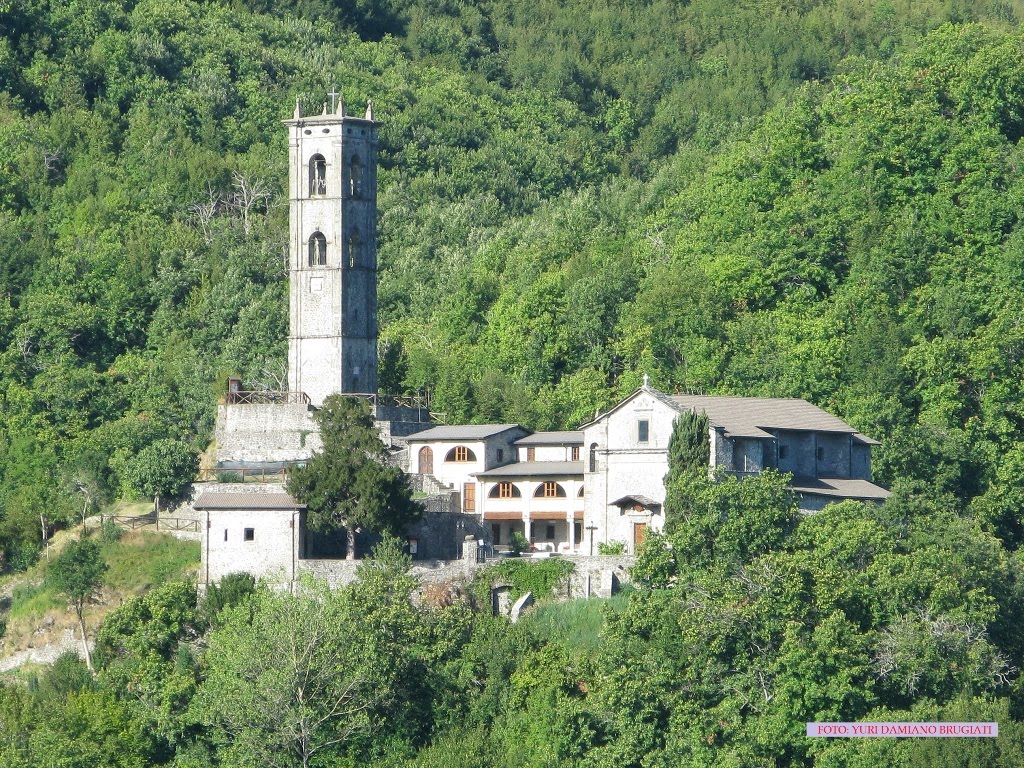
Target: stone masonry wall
x: 259, y: 432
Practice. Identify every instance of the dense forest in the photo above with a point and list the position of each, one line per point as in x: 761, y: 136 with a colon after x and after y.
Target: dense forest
x: 809, y: 199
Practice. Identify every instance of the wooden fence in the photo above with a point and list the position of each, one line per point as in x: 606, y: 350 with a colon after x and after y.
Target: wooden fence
x: 161, y: 523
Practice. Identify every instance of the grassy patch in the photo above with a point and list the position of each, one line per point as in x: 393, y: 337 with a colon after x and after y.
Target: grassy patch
x: 143, y: 559
x: 130, y: 508
x: 137, y: 562
x: 32, y: 600
x: 576, y: 624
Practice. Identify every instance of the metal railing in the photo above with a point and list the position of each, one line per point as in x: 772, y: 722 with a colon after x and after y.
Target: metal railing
x: 244, y: 474
x: 266, y: 397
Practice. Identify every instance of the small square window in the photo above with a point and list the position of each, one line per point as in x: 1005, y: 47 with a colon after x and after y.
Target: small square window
x: 643, y: 430
x: 250, y: 534
x: 783, y: 451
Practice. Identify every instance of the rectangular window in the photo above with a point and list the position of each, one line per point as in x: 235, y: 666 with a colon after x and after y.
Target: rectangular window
x: 501, y: 454
x: 504, y: 490
x: 531, y: 454
x: 225, y: 534
x: 461, y: 453
x: 249, y: 534
x: 821, y: 454
x: 495, y: 533
x: 643, y: 430
x: 549, y: 532
x: 550, y: 490
x: 469, y: 497
x: 575, y: 453
x: 783, y: 451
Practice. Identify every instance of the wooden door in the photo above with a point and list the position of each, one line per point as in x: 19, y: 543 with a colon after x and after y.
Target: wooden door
x: 426, y: 461
x: 469, y: 497
x: 639, y: 534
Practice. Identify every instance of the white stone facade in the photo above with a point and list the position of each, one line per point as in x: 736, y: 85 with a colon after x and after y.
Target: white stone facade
x: 454, y: 455
x: 256, y: 533
x: 619, y: 460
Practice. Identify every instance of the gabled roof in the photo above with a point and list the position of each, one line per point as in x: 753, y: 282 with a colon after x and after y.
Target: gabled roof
x: 751, y: 416
x: 552, y: 438
x: 845, y: 488
x: 644, y: 389
x: 221, y: 500
x: 634, y: 499
x: 535, y: 469
x: 461, y: 432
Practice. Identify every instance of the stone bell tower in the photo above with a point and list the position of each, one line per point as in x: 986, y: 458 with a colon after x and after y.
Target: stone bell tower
x: 332, y: 192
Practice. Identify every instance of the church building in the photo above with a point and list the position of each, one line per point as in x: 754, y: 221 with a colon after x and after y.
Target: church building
x: 562, y: 492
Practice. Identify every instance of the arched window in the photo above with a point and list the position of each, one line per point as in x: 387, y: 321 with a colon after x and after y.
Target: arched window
x: 593, y: 458
x: 317, y: 176
x: 317, y: 250
x: 460, y: 453
x: 352, y: 244
x: 504, y: 491
x: 355, y: 177
x: 549, y: 490
x: 580, y: 494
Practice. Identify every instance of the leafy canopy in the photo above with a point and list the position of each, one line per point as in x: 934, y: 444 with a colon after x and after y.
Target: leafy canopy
x: 349, y: 484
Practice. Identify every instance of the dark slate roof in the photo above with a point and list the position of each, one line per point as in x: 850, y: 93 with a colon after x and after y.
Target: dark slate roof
x: 552, y: 438
x: 839, y: 487
x: 865, y: 440
x: 635, y: 498
x: 211, y: 500
x: 461, y: 432
x: 535, y: 469
x: 752, y: 416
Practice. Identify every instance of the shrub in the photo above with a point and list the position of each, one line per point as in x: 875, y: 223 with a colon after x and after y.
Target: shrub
x: 541, y: 577
x: 22, y: 556
x: 611, y: 548
x: 519, y: 542
x: 110, y: 532
x: 231, y: 591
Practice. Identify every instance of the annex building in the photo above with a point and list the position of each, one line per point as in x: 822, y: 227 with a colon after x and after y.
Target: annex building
x: 564, y: 492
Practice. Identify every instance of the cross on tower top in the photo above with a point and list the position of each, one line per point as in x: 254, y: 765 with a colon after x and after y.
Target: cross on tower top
x: 333, y: 93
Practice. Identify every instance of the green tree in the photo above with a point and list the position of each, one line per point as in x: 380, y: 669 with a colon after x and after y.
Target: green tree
x: 298, y: 680
x: 349, y: 484
x: 689, y: 456
x: 162, y: 468
x: 77, y: 573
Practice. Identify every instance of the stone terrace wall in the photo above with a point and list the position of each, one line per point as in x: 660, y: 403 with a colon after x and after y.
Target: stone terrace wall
x: 596, y: 576
x: 262, y: 432
x: 599, y: 575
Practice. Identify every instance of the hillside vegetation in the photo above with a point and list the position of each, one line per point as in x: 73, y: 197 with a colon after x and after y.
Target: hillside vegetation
x: 818, y: 200
x: 570, y: 195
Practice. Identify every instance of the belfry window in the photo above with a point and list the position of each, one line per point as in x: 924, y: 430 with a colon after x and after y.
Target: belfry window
x: 317, y: 176
x: 352, y: 247
x: 317, y: 250
x: 355, y: 177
